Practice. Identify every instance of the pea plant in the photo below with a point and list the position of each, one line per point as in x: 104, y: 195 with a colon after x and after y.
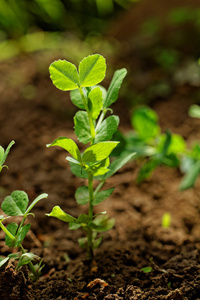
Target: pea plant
x: 152, y: 147
x: 92, y: 127
x: 16, y: 205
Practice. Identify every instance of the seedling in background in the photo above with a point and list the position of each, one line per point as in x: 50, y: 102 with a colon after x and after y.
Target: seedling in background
x: 91, y: 126
x: 4, y: 154
x: 190, y: 162
x: 166, y: 220
x: 152, y: 147
x: 14, y: 205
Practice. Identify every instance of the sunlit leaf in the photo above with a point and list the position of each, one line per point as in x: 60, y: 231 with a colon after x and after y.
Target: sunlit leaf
x: 114, y: 87
x: 96, y: 100
x: 64, y: 75
x: 92, y: 70
x: 98, y: 151
x: 67, y: 144
x: 58, y: 213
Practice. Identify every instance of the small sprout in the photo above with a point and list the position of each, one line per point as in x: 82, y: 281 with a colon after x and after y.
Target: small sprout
x: 146, y: 269
x: 166, y: 220
x: 169, y: 284
x: 16, y: 204
x: 4, y: 154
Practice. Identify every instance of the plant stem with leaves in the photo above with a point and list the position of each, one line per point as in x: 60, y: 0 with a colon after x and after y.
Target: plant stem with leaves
x: 16, y: 204
x: 94, y: 128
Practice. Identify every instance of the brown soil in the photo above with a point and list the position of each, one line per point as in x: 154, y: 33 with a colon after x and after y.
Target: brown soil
x: 137, y: 240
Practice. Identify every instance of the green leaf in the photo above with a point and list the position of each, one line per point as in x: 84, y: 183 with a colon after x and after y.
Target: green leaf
x: 1, y: 155
x: 8, y: 150
x: 76, y: 98
x: 12, y: 228
x: 82, y: 127
x: 74, y: 226
x: 189, y: 179
x: 194, y: 111
x: 21, y: 234
x: 103, y: 223
x: 69, y: 145
x: 58, y: 213
x: 145, y: 121
x: 83, y: 219
x: 96, y: 100
x: 72, y: 160
x: 15, y: 204
x: 147, y: 169
x: 25, y: 259
x: 92, y: 70
x: 107, y: 128
x: 78, y: 171
x: 82, y: 195
x: 64, y: 75
x: 102, y: 195
x: 114, y: 87
x: 146, y: 269
x: 3, y: 261
x: 176, y: 144
x: 100, y: 167
x: 98, y: 151
x: 40, y: 197
x: 118, y: 164
x: 14, y: 255
x: 97, y: 242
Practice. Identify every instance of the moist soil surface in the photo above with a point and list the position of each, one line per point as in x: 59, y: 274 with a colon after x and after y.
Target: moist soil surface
x: 34, y: 113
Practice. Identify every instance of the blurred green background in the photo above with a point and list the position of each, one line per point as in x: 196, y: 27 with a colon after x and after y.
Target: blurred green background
x: 158, y: 42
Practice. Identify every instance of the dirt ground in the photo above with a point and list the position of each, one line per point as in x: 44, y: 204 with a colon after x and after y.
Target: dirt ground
x: 33, y: 113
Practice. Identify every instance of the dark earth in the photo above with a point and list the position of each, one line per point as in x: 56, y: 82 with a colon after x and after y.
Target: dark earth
x: 34, y: 113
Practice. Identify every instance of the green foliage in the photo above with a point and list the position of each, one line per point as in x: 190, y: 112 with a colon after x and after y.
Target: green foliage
x: 152, y: 147
x: 91, y: 126
x: 16, y: 204
x: 64, y: 75
x: 190, y: 165
x: 194, y: 111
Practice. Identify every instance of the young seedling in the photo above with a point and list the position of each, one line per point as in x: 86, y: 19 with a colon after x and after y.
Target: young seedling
x: 152, y: 147
x: 4, y: 154
x: 14, y: 205
x: 91, y: 126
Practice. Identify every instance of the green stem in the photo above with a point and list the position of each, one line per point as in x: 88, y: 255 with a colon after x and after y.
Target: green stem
x: 92, y: 129
x: 7, y: 232
x: 31, y: 266
x: 90, y: 213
